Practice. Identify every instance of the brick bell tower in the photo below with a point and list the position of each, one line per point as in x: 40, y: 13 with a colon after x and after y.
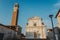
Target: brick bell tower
x: 14, y: 21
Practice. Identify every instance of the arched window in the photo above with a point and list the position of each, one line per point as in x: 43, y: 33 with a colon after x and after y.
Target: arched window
x: 42, y: 23
x: 34, y: 24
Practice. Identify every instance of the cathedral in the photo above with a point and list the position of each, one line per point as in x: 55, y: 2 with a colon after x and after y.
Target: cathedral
x: 35, y: 28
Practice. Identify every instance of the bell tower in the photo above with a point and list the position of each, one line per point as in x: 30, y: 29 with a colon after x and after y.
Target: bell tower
x: 14, y: 20
x: 15, y: 15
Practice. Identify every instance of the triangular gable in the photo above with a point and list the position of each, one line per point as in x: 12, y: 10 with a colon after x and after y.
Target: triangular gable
x: 57, y: 14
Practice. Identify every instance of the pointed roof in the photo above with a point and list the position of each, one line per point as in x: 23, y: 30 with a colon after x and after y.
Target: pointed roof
x: 57, y: 13
x: 16, y: 5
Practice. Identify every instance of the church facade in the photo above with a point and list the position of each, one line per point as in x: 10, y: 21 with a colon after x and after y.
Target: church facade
x: 35, y: 28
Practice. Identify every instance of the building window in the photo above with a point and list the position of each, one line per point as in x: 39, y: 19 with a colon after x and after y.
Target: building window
x: 34, y: 24
x: 42, y: 23
x: 59, y: 15
x: 27, y: 23
x: 1, y: 36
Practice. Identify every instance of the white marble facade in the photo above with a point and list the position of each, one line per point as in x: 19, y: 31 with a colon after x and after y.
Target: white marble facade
x: 35, y: 25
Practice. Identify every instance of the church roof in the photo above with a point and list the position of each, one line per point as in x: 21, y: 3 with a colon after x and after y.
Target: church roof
x: 57, y: 13
x: 8, y: 26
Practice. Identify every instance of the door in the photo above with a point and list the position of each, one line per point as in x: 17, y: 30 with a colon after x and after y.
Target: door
x: 1, y: 36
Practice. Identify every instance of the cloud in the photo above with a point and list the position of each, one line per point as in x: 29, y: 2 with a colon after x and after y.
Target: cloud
x: 57, y: 4
x: 55, y: 7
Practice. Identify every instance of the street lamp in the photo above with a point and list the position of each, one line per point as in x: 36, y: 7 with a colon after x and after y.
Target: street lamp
x: 52, y: 27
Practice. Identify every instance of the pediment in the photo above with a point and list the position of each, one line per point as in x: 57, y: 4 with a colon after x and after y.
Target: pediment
x: 58, y: 14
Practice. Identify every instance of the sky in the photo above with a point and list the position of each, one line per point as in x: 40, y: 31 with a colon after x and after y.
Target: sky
x: 28, y: 9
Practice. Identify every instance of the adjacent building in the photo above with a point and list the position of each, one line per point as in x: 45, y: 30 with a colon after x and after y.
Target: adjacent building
x: 6, y: 33
x: 35, y: 28
x: 58, y: 18
x: 13, y: 31
x: 50, y: 34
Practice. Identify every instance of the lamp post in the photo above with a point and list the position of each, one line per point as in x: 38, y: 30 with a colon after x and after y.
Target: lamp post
x: 52, y: 27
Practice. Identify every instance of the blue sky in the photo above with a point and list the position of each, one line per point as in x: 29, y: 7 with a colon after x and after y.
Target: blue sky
x: 28, y: 9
